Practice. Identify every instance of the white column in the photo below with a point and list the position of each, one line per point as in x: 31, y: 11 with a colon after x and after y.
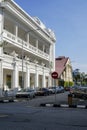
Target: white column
x: 36, y: 80
x: 37, y: 44
x: 49, y: 81
x: 36, y: 77
x: 43, y: 79
x: 15, y: 76
x: 43, y: 48
x: 1, y: 52
x: 16, y: 31
x: 50, y: 52
x: 27, y: 78
x: 50, y: 66
x: 28, y: 39
x: 1, y: 20
x: 4, y: 80
x: 1, y: 31
x: 1, y: 48
x: 1, y: 74
x: 50, y: 61
x: 53, y: 58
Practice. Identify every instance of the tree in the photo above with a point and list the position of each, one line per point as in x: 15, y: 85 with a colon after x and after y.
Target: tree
x: 80, y: 78
x: 76, y: 76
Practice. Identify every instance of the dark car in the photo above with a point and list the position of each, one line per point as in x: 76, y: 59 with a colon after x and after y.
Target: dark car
x: 67, y: 88
x: 42, y: 92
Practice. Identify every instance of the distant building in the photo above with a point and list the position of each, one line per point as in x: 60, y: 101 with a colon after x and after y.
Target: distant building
x: 27, y: 48
x: 63, y: 68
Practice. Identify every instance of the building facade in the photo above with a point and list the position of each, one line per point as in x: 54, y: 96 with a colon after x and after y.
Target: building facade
x: 64, y: 69
x: 27, y: 49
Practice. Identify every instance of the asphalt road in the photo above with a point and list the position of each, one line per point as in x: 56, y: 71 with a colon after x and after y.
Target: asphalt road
x: 28, y: 115
x: 58, y: 98
x: 21, y: 116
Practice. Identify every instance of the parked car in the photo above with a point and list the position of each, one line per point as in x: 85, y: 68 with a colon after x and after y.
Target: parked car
x: 61, y: 89
x: 26, y: 93
x: 67, y: 88
x: 56, y: 89
x: 8, y: 94
x: 52, y: 90
x: 72, y: 89
x: 42, y: 92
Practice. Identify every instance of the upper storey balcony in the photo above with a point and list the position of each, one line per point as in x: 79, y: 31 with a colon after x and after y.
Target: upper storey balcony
x: 18, y: 38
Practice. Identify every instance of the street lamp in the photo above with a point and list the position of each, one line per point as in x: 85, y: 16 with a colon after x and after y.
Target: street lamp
x: 23, y: 54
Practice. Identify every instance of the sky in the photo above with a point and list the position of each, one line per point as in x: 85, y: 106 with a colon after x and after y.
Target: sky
x: 68, y: 20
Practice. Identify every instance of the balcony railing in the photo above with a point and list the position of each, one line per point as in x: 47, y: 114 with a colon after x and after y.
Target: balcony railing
x: 19, y: 42
x: 8, y: 59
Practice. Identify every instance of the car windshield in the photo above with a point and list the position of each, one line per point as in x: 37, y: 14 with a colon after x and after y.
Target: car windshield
x: 22, y: 90
x: 29, y: 90
x: 26, y: 90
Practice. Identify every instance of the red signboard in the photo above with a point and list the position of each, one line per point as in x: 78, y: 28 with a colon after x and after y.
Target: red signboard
x: 54, y: 75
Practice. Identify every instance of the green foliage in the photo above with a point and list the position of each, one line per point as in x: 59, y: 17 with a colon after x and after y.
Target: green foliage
x: 68, y: 83
x: 61, y: 82
x: 80, y: 78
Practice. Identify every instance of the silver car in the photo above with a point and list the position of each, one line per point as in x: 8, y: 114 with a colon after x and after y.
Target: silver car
x: 26, y: 93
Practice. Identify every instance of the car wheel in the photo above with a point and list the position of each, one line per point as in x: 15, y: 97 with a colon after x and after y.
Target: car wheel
x: 33, y: 96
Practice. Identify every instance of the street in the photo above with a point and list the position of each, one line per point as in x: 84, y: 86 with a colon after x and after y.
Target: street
x: 59, y: 98
x: 28, y: 115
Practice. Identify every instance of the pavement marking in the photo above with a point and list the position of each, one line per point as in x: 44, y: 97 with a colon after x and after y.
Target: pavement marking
x: 63, y: 105
x: 49, y: 105
x: 81, y: 106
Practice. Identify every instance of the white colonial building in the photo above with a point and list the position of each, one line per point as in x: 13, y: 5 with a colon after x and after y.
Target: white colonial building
x: 27, y: 49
